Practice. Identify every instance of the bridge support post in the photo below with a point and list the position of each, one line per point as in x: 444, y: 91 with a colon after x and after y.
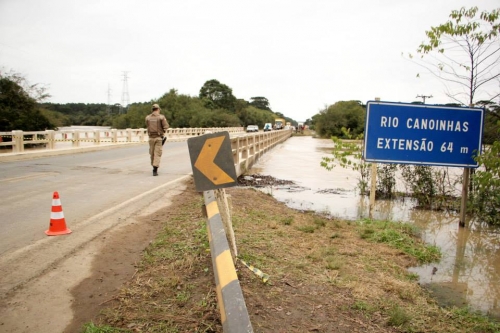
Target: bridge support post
x: 51, y: 137
x: 114, y: 135
x: 76, y: 138
x: 97, y: 137
x: 18, y: 139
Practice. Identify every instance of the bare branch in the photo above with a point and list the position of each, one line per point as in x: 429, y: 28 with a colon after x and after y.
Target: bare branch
x: 464, y: 52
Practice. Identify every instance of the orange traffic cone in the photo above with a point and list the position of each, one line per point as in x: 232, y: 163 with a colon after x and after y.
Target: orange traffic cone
x: 57, y: 221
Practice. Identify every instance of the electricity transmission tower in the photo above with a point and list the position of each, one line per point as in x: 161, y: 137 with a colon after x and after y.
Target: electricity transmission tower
x: 424, y: 97
x: 125, y: 96
x: 108, y: 109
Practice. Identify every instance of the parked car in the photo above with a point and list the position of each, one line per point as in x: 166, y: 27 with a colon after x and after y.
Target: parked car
x: 268, y: 127
x: 252, y: 128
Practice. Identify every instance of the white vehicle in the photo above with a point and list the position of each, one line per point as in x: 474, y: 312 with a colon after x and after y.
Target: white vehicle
x: 268, y: 127
x: 252, y: 128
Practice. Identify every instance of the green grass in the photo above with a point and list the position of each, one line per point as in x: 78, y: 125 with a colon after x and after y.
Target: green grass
x: 287, y: 220
x: 308, y: 229
x: 91, y: 328
x: 363, y: 307
x: 402, y: 236
x: 335, y: 235
x: 333, y: 262
x: 398, y: 316
x: 319, y: 222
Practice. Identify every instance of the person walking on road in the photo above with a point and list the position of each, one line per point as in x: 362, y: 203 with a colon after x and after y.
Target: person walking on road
x: 156, y: 125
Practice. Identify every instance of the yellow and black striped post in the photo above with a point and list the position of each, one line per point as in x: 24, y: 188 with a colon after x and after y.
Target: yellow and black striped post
x: 233, y: 310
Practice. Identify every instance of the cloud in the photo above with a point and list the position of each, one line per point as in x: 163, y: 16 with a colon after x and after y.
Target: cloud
x: 300, y: 55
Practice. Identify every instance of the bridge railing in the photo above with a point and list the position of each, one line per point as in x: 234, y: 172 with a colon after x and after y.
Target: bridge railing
x: 49, y: 139
x: 247, y: 148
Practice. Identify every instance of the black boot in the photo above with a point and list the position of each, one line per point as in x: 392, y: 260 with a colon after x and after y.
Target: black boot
x: 155, y: 171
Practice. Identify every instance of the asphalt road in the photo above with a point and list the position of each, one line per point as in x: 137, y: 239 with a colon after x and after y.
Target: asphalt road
x: 104, y: 192
x: 88, y: 183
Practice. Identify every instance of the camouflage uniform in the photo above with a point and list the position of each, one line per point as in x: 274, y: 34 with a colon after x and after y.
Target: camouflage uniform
x: 156, y: 125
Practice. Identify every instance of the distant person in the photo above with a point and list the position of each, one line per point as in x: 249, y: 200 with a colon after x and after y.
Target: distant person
x: 156, y: 125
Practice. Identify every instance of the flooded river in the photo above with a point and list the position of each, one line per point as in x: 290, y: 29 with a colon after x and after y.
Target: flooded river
x: 469, y: 271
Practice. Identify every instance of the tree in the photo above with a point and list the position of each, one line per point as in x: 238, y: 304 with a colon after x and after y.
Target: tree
x: 91, y: 114
x: 215, y: 118
x: 217, y: 95
x: 260, y: 103
x: 465, y: 53
x: 491, y: 130
x: 37, y: 91
x: 121, y: 121
x: 135, y: 116
x: 485, y: 200
x: 180, y: 109
x: 340, y: 118
x: 18, y: 109
x: 255, y: 116
x: 56, y: 118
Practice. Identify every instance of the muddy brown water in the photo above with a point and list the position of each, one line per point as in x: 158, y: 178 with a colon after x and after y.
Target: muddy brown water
x: 469, y: 271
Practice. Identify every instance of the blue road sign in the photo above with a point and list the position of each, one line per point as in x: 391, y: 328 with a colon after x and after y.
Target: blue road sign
x: 422, y: 134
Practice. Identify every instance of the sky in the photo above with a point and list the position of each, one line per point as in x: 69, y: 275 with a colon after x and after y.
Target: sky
x: 302, y: 55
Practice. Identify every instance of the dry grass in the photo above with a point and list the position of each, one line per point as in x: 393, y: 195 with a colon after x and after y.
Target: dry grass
x: 324, y: 277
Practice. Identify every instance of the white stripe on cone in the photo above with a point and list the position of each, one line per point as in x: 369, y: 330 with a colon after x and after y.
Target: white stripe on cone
x: 56, y: 215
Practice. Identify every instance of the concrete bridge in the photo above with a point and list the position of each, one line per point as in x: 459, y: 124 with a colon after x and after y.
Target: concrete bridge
x: 246, y: 147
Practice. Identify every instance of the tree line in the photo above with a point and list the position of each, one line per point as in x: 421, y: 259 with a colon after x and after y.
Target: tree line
x: 23, y: 107
x: 346, y: 120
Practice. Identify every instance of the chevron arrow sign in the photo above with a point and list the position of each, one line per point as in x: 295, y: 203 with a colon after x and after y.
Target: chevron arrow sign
x: 212, y: 161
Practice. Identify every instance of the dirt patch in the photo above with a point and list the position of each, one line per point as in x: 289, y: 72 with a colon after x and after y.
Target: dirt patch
x: 111, y: 269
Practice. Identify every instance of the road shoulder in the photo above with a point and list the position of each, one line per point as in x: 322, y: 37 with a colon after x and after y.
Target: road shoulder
x: 50, y: 281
